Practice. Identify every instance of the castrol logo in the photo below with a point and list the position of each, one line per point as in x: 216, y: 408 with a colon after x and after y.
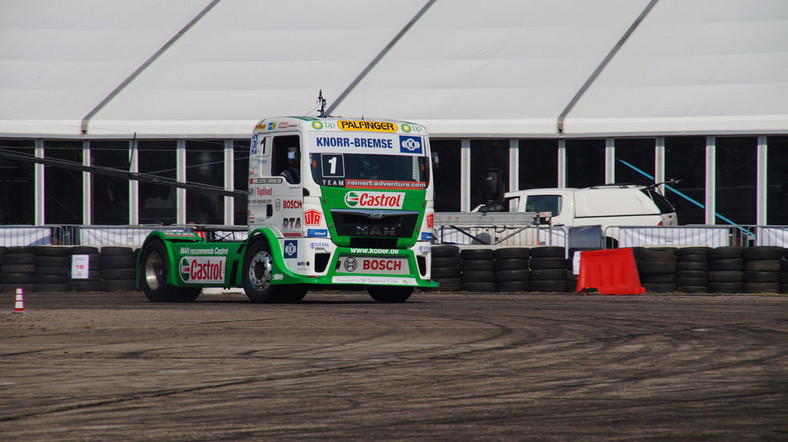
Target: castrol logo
x: 375, y: 200
x: 202, y: 269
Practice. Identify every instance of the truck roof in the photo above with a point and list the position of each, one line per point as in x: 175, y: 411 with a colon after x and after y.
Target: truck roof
x: 275, y: 124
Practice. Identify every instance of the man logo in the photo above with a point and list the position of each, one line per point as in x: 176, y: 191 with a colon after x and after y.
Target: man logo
x: 410, y: 144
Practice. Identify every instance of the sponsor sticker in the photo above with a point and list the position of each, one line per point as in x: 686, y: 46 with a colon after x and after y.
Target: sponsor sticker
x: 312, y: 217
x: 367, y: 126
x: 202, y: 269
x: 373, y: 265
x: 317, y: 233
x: 291, y: 249
x: 408, y: 144
x: 374, y: 200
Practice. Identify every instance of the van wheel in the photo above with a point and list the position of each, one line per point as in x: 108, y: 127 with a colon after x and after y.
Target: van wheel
x: 389, y: 294
x: 154, y: 268
x: 256, y: 273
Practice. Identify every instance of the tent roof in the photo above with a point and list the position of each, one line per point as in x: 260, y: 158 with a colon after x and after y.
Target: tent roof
x: 508, y: 68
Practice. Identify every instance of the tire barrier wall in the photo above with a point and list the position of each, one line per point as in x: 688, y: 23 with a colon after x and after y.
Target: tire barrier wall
x: 49, y: 269
x: 728, y: 269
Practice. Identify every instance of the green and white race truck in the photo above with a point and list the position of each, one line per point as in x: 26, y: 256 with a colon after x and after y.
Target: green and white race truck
x: 331, y: 202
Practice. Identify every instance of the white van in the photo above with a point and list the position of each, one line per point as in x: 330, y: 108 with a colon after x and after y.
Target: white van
x: 607, y: 205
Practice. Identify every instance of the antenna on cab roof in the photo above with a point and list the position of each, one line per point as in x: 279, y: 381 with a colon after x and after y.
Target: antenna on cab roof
x: 321, y: 103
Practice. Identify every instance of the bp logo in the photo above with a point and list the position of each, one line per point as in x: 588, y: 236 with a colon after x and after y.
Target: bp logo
x: 351, y: 199
x: 317, y: 125
x: 405, y: 128
x: 186, y: 269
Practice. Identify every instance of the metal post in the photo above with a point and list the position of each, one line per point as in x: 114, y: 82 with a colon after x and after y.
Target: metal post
x: 465, y: 175
x: 229, y: 182
x: 659, y: 163
x: 711, y: 181
x: 87, y: 185
x: 40, y: 190
x: 134, y: 185
x: 561, y: 163
x: 180, y: 150
x: 762, y: 182
x: 610, y: 160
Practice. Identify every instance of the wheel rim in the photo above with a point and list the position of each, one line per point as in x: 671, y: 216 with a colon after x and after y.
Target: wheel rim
x: 260, y: 270
x: 154, y: 271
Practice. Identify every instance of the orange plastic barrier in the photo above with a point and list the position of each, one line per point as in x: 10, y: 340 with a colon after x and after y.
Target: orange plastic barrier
x: 610, y: 272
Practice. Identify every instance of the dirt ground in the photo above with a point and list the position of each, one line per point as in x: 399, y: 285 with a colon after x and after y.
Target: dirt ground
x: 443, y: 366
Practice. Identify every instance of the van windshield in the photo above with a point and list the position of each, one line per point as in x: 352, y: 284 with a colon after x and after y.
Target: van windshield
x: 544, y: 203
x: 364, y: 170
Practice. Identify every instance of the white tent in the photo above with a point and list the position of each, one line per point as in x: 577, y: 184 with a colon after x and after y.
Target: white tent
x: 510, y: 68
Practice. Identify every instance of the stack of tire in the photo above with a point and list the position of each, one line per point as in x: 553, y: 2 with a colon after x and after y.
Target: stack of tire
x: 784, y: 272
x: 762, y: 269
x: 446, y: 267
x: 692, y: 269
x: 93, y: 282
x: 548, y: 269
x: 53, y: 265
x: 511, y: 269
x: 18, y: 269
x: 726, y: 270
x: 477, y: 268
x: 118, y: 269
x: 657, y: 269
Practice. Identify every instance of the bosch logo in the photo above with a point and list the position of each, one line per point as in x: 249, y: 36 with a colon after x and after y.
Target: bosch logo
x: 410, y: 144
x: 292, y: 204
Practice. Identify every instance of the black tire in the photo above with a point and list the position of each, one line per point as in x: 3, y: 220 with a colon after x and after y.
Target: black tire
x: 512, y: 276
x: 16, y: 278
x: 447, y: 261
x: 552, y: 286
x: 42, y: 270
x: 762, y: 265
x: 659, y: 254
x: 20, y: 258
x: 477, y: 254
x: 762, y: 252
x: 698, y: 274
x: 52, y: 251
x: 154, y: 268
x: 19, y: 268
x: 693, y: 288
x: 668, y: 278
x: 513, y: 286
x: 548, y: 275
x: 445, y: 251
x: 726, y: 287
x: 547, y: 252
x: 389, y: 294
x: 478, y: 286
x: 256, y: 274
x: 52, y: 261
x: 689, y: 282
x: 762, y: 287
x: 657, y: 267
x: 445, y: 272
x: 116, y: 251
x: 118, y: 262
x: 51, y: 279
x: 755, y: 276
x: 692, y: 265
x: 548, y: 263
x: 83, y: 250
x: 783, y: 288
x: 119, y: 274
x: 692, y: 253
x: 727, y: 252
x: 724, y: 276
x: 735, y: 264
x: 477, y: 265
x: 513, y: 253
x: 478, y: 276
x: 511, y: 264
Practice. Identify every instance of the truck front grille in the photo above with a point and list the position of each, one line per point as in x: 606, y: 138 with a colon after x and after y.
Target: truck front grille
x: 374, y: 223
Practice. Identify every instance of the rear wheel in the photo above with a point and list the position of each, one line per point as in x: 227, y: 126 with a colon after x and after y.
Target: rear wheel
x: 389, y: 294
x: 154, y: 268
x: 257, y: 269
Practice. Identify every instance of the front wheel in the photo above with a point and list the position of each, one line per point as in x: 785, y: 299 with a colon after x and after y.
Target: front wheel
x: 389, y: 294
x: 256, y: 273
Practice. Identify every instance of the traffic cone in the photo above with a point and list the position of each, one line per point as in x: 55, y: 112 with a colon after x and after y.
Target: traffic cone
x: 19, y: 303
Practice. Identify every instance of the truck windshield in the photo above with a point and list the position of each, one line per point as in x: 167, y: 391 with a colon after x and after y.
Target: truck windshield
x: 364, y: 170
